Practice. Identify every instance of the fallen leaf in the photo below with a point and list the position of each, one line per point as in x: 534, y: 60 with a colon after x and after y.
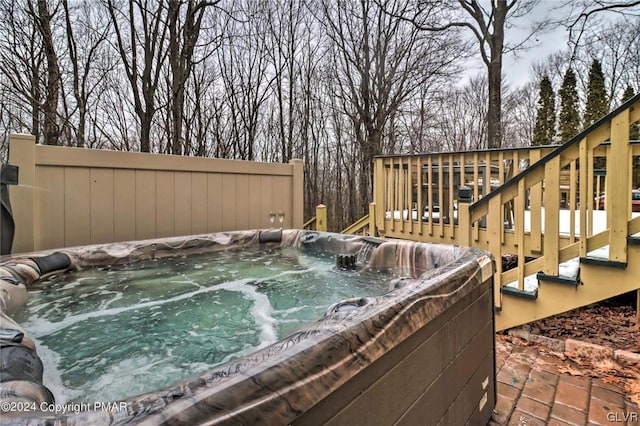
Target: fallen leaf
x: 613, y: 380
x: 570, y: 370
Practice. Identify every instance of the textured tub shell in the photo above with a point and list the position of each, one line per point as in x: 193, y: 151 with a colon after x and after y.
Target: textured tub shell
x: 300, y: 378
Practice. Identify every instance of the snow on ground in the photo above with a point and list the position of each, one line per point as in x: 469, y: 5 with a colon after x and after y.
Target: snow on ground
x: 571, y: 267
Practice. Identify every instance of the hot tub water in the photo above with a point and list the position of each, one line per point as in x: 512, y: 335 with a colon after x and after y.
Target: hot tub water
x: 108, y: 333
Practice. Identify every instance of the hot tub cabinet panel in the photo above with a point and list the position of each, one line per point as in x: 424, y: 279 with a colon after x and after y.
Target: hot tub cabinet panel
x: 422, y: 353
x: 442, y: 374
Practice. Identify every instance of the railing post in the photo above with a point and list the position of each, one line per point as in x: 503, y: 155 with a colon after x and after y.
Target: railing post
x: 22, y: 153
x: 372, y: 219
x: 379, y: 194
x: 297, y: 193
x: 618, y: 193
x: 464, y: 218
x: 494, y: 229
x: 321, y: 218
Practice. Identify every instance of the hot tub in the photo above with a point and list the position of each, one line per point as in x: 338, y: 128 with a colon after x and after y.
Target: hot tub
x: 420, y: 351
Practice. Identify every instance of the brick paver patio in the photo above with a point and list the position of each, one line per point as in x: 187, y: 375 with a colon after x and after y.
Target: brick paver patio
x: 534, y: 390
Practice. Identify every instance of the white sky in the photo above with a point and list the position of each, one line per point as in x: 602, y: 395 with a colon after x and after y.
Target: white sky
x: 516, y: 67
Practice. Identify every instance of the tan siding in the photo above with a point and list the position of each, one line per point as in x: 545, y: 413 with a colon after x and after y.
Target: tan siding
x: 49, y: 207
x: 258, y: 218
x: 145, y: 204
x: 198, y: 203
x: 214, y: 202
x: 75, y: 196
x: 124, y: 205
x: 102, y: 206
x: 23, y: 197
x: 182, y: 203
x: 266, y: 205
x: 165, y: 204
x: 77, y: 190
x: 282, y: 199
x: 229, y: 217
x: 243, y: 204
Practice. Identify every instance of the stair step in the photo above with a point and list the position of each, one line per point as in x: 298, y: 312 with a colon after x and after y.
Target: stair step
x: 598, y: 261
x: 574, y: 281
x: 634, y: 241
x: 513, y: 291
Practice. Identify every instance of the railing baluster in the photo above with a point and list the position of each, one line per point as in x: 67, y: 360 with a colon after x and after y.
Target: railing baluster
x: 410, y: 194
x: 501, y: 181
x: 476, y: 195
x: 392, y: 194
x: 585, y: 198
x: 401, y: 191
x: 441, y: 195
x: 419, y: 188
x: 589, y: 164
x: 572, y: 202
x: 519, y: 230
x: 461, y: 182
x: 535, y: 208
x: 430, y: 193
x: 551, y: 213
x: 450, y: 212
x: 379, y: 185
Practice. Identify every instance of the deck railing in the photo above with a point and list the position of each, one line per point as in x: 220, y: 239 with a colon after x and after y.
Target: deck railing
x: 536, y: 236
x: 416, y: 195
x: 541, y: 204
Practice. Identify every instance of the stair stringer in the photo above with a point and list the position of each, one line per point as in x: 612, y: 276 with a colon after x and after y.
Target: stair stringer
x: 598, y: 283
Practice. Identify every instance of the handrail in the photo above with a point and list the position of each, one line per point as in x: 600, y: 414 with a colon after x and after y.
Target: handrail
x: 309, y: 223
x: 356, y: 226
x: 544, y: 160
x: 471, y: 151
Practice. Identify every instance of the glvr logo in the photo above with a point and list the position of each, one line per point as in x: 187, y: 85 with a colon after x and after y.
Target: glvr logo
x: 622, y: 417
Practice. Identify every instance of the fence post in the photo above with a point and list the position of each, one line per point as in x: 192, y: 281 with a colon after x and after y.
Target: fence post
x: 22, y: 153
x: 297, y: 193
x: 321, y: 218
x: 372, y: 219
x: 464, y: 218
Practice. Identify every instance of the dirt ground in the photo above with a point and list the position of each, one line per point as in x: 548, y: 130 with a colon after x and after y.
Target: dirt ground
x: 610, y: 323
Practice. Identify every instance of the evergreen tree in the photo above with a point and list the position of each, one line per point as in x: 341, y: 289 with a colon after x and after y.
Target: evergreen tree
x: 569, y: 124
x: 597, y: 105
x: 634, y: 129
x: 634, y: 134
x: 628, y: 94
x: 545, y: 128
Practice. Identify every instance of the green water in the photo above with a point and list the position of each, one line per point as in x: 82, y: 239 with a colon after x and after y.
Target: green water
x: 115, y: 332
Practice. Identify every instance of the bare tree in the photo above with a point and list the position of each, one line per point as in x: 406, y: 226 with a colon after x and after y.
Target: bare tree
x: 581, y: 12
x: 43, y: 18
x: 21, y: 68
x: 143, y: 75
x: 520, y: 115
x: 183, y: 38
x: 84, y: 45
x: 246, y: 77
x: 488, y: 25
x: 380, y: 61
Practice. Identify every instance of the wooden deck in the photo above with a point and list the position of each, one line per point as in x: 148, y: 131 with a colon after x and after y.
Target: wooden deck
x: 513, y: 201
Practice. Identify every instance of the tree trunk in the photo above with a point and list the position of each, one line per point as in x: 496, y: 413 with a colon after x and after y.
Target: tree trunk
x: 51, y: 131
x: 494, y: 76
x: 494, y: 110
x: 177, y: 77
